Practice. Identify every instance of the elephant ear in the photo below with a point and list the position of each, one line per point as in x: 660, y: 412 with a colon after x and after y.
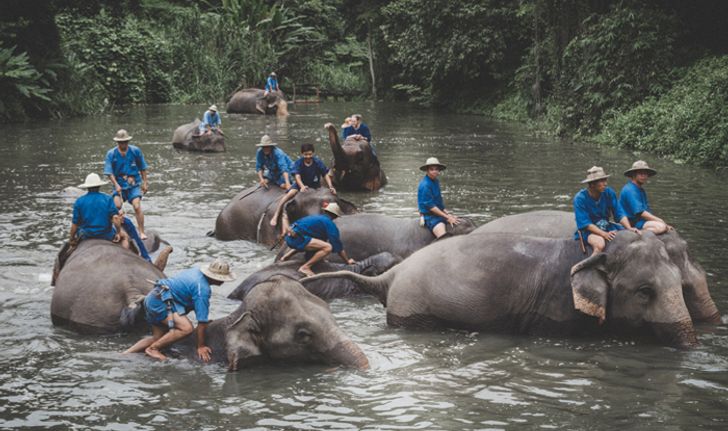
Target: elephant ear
x: 590, y: 286
x: 240, y: 339
x: 261, y: 105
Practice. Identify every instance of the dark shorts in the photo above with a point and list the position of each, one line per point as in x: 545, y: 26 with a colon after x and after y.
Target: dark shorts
x: 313, y: 187
x: 432, y: 220
x: 130, y: 194
x: 279, y: 180
x: 585, y: 233
x: 299, y: 242
x: 640, y: 223
x: 109, y: 236
x: 155, y: 310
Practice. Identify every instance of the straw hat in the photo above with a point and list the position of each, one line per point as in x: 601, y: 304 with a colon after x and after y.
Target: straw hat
x: 595, y: 173
x: 218, y: 270
x: 432, y: 161
x: 92, y: 180
x: 122, y: 136
x: 273, y: 74
x: 333, y: 208
x: 266, y: 141
x: 640, y: 165
x: 212, y: 108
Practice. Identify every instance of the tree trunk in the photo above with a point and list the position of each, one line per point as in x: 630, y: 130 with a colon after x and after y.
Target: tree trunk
x: 371, y: 59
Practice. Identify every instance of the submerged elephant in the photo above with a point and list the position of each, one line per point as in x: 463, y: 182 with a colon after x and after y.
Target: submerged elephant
x: 355, y: 166
x: 247, y: 216
x: 540, y: 286
x: 187, y: 137
x: 368, y: 234
x: 253, y: 101
x: 561, y: 224
x: 325, y: 289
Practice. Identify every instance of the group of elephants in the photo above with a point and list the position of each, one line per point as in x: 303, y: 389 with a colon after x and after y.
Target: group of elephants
x: 521, y: 274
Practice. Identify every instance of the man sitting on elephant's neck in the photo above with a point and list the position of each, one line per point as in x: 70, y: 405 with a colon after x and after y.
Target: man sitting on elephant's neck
x: 593, y: 207
x: 211, y: 121
x: 271, y: 84
x: 318, y: 236
x: 429, y: 200
x: 171, y: 299
x: 633, y: 199
x: 272, y: 164
x: 95, y: 215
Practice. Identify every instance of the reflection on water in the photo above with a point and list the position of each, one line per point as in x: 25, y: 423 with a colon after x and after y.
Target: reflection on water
x: 419, y: 380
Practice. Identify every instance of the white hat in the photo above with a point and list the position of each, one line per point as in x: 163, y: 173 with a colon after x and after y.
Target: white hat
x: 640, y: 165
x: 218, y: 270
x: 432, y: 161
x: 92, y: 180
x: 333, y: 208
x: 122, y: 136
x: 595, y: 173
x: 212, y: 108
x: 266, y: 141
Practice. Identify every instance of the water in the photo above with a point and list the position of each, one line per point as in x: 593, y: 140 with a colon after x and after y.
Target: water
x: 52, y: 378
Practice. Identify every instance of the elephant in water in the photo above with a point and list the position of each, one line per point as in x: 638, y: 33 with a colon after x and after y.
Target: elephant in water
x: 253, y: 101
x: 364, y: 235
x: 325, y: 289
x: 247, y: 216
x: 355, y: 166
x: 187, y: 137
x: 561, y: 224
x: 541, y: 286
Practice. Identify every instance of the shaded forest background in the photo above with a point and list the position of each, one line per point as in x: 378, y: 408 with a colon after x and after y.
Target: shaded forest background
x: 649, y: 75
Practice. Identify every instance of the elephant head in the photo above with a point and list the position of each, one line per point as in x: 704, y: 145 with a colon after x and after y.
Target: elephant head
x: 633, y: 284
x: 311, y: 202
x: 273, y: 103
x: 282, y: 321
x: 355, y: 166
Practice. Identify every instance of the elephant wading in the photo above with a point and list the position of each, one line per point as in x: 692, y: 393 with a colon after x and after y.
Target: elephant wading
x: 364, y: 235
x: 253, y: 101
x: 561, y: 224
x: 540, y: 286
x: 187, y: 137
x: 355, y: 167
x: 247, y: 216
x: 325, y: 289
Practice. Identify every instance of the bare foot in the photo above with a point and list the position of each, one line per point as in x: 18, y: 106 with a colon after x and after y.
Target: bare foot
x: 154, y: 353
x: 274, y: 221
x: 306, y: 271
x: 142, y: 235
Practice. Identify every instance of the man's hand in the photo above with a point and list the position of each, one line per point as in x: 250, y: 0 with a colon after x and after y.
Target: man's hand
x: 304, y: 188
x: 452, y: 220
x: 635, y: 230
x: 609, y: 235
x: 117, y: 238
x: 332, y: 190
x: 145, y: 187
x: 204, y: 353
x: 263, y: 183
x: 118, y: 189
x: 350, y: 261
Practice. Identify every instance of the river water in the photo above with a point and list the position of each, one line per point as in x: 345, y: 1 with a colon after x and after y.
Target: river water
x: 53, y: 378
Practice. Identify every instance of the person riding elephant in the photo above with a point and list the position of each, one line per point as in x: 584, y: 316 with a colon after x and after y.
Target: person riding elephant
x: 255, y: 101
x: 272, y: 165
x: 187, y: 137
x: 633, y: 199
x: 538, y: 286
x: 271, y: 84
x: 355, y: 166
x: 429, y: 200
x: 211, y: 122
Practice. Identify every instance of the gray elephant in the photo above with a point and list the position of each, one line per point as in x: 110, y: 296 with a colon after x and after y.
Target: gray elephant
x: 247, y: 216
x: 540, y: 286
x: 368, y: 234
x: 355, y: 166
x: 253, y: 101
x: 325, y: 289
x: 187, y: 137
x: 561, y: 224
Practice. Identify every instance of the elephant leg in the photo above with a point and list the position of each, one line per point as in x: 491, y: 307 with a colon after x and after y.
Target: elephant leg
x: 161, y: 261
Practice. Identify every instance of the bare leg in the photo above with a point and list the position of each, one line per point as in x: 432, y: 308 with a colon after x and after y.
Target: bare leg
x: 288, y: 254
x: 161, y: 261
x: 287, y: 197
x: 322, y: 249
x: 597, y: 243
x: 145, y: 342
x: 655, y: 226
x: 117, y: 201
x: 439, y: 230
x: 182, y: 328
x: 137, y: 204
x: 124, y: 239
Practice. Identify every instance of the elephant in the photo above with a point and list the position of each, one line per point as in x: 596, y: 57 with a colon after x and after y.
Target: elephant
x: 247, y: 216
x: 253, y: 101
x: 561, y: 224
x: 355, y: 166
x: 539, y: 286
x: 327, y: 290
x: 187, y: 137
x: 367, y: 234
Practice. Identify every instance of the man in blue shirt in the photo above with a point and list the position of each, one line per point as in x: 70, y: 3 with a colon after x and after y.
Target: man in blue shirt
x: 358, y: 129
x: 429, y: 200
x: 96, y: 216
x: 318, y: 236
x: 593, y: 208
x: 307, y: 172
x: 166, y: 306
x: 271, y: 84
x: 126, y: 168
x: 272, y: 164
x: 211, y: 121
x: 633, y: 199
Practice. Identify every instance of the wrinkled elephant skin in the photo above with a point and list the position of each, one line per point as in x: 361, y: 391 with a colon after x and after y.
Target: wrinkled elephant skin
x: 355, y: 167
x: 253, y: 101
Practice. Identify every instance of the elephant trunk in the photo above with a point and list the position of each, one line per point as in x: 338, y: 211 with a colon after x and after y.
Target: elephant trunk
x: 677, y: 334
x: 347, y: 353
x: 697, y: 296
x: 339, y: 156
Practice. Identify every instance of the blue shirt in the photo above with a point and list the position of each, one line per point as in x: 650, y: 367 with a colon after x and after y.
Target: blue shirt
x: 190, y: 290
x: 271, y: 84
x: 310, y: 175
x: 321, y: 227
x: 589, y: 211
x: 429, y: 196
x: 633, y: 199
x: 362, y: 130
x: 276, y: 163
x: 123, y: 166
x: 211, y: 119
x: 92, y: 214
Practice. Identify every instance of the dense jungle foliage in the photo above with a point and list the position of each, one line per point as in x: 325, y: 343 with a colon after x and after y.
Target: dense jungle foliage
x: 650, y: 75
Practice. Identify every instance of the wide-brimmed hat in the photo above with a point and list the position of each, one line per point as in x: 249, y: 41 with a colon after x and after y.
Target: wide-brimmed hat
x: 333, y: 208
x: 218, y: 270
x: 122, y: 136
x: 92, y: 180
x: 266, y: 141
x: 432, y: 161
x: 595, y: 173
x: 640, y: 165
x: 212, y: 108
x: 273, y: 74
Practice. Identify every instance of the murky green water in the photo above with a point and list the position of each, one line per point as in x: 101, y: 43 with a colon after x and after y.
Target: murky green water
x: 52, y: 378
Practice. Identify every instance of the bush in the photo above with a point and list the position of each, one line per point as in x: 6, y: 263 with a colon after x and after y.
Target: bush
x: 20, y: 84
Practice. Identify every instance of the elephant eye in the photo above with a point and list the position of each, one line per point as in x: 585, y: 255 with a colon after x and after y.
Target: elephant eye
x: 646, y: 291
x: 303, y: 335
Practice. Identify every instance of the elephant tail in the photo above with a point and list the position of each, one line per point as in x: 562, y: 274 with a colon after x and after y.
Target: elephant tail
x: 377, y: 286
x: 133, y: 314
